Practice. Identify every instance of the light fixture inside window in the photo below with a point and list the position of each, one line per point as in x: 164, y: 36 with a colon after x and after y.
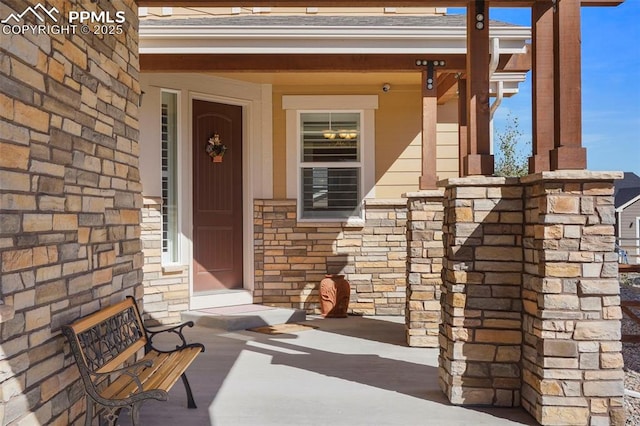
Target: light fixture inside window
x: 329, y: 134
x: 347, y: 134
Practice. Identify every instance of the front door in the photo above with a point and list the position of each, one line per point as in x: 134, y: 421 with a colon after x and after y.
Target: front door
x: 217, y: 198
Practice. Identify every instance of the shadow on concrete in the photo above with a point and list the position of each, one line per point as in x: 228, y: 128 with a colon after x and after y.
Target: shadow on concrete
x: 383, y: 329
x: 331, y: 375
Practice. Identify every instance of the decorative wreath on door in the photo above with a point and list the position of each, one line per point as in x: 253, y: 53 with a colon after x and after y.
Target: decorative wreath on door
x: 215, y: 148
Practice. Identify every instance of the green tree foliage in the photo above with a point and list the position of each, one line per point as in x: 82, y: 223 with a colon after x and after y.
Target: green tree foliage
x: 510, y: 161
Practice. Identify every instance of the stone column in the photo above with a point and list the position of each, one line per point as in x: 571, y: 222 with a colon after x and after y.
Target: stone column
x: 258, y: 251
x: 572, y: 361
x: 424, y: 265
x: 480, y: 335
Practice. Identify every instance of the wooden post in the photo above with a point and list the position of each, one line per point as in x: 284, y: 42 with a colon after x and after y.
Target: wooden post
x: 429, y: 127
x: 568, y: 152
x: 543, y: 88
x: 462, y: 126
x: 479, y: 160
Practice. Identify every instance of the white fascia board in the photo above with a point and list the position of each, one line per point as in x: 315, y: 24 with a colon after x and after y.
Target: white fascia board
x: 234, y: 39
x: 509, y: 77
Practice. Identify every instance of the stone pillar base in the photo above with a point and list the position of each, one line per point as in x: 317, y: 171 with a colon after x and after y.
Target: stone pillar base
x: 530, y: 296
x: 481, y: 333
x: 572, y: 360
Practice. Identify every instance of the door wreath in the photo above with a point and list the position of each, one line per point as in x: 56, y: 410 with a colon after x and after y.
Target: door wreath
x: 215, y: 148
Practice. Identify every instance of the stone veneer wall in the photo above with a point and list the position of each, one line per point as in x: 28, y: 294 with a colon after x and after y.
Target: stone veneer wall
x: 425, y: 252
x: 70, y: 200
x: 572, y: 360
x: 530, y: 296
x: 291, y: 258
x: 482, y: 326
x: 166, y: 288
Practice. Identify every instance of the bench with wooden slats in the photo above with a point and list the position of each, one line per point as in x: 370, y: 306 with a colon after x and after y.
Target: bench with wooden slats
x: 104, y: 341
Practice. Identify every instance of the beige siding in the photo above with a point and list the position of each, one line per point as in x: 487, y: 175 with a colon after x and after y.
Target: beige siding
x: 398, y: 142
x: 447, y: 151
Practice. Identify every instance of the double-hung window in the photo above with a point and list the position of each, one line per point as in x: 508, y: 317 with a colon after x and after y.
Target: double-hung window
x: 330, y: 165
x: 330, y: 155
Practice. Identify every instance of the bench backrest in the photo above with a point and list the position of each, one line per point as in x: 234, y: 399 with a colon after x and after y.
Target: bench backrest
x: 107, y: 338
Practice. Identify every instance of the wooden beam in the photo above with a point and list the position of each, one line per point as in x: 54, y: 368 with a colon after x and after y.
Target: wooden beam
x: 542, y: 87
x: 446, y: 82
x: 568, y: 152
x: 165, y: 62
x: 520, y: 62
x: 354, y: 3
x: 479, y: 160
x: 285, y: 62
x: 428, y: 178
x: 462, y: 127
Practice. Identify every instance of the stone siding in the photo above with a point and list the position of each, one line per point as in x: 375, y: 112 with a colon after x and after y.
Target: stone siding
x: 530, y: 296
x: 425, y: 252
x: 291, y: 258
x: 166, y: 288
x: 572, y: 360
x: 70, y: 197
x: 482, y: 327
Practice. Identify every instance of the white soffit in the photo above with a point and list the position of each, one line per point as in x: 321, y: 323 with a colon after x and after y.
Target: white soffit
x: 203, y: 39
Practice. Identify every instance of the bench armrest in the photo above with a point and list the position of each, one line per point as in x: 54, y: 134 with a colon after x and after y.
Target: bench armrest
x: 177, y: 330
x: 129, y: 370
x: 139, y: 395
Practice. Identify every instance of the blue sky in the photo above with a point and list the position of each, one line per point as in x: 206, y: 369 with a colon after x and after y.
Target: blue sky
x: 610, y: 85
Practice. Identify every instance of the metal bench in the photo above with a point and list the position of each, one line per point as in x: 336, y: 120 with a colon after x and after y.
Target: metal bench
x: 101, y: 344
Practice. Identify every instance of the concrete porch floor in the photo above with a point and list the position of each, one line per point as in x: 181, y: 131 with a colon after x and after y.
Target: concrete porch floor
x: 349, y: 371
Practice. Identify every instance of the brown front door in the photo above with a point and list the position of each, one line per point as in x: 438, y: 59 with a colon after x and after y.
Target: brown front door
x: 217, y: 198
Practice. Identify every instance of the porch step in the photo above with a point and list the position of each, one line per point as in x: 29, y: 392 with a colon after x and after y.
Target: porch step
x: 242, y: 317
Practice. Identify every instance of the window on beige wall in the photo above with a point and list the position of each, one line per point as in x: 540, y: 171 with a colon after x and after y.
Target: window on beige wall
x: 330, y: 155
x: 330, y: 167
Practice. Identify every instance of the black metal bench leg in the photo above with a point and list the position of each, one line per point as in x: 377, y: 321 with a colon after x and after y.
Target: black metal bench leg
x: 190, y: 402
x: 89, y: 412
x: 135, y: 414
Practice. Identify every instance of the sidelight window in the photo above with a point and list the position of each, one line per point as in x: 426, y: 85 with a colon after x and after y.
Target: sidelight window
x: 169, y: 155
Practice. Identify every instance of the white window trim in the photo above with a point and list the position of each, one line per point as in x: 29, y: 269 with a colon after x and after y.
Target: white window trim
x: 164, y: 261
x: 366, y: 105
